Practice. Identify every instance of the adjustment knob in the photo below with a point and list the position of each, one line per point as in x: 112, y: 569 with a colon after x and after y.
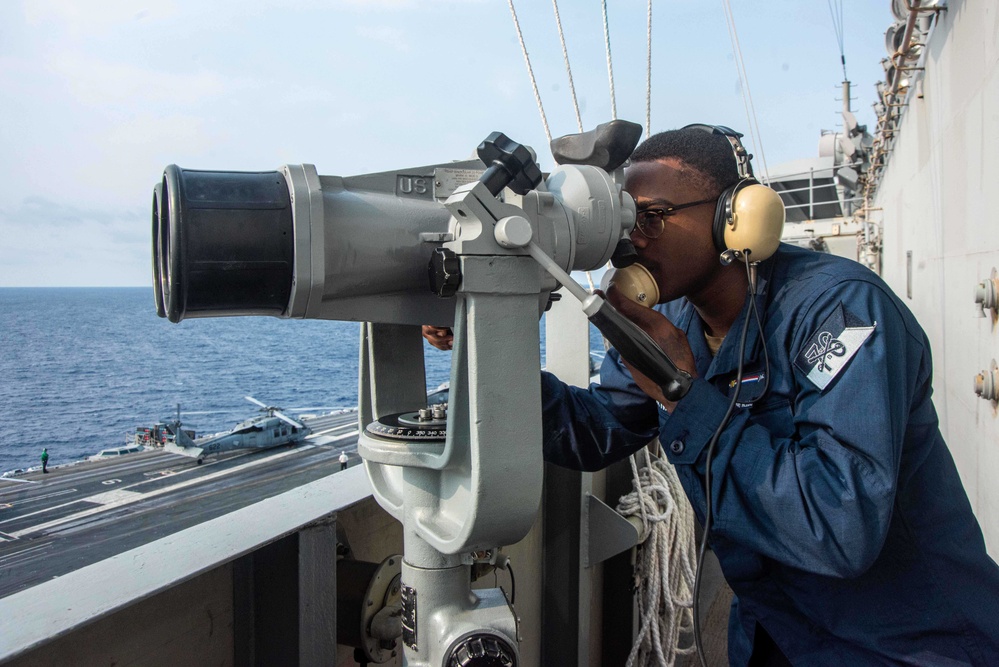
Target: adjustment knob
x: 508, y: 164
x: 444, y: 271
x: 481, y: 650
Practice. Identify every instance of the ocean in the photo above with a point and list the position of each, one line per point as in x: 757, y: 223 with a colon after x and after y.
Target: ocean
x: 82, y: 367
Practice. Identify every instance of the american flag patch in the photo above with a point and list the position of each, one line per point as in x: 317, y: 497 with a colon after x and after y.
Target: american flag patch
x: 750, y: 388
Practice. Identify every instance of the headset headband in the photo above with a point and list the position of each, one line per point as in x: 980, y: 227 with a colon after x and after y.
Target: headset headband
x: 742, y: 156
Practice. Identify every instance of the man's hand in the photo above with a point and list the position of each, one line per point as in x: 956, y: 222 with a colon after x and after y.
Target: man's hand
x: 440, y: 337
x: 671, y: 340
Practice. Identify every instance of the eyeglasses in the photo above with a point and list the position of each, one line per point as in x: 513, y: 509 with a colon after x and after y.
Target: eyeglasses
x: 650, y: 221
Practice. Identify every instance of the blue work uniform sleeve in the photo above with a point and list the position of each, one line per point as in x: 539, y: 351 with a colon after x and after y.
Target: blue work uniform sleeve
x: 588, y: 429
x: 819, y: 495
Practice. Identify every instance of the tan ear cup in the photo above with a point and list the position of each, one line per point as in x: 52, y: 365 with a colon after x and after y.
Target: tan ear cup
x: 757, y: 222
x: 634, y: 282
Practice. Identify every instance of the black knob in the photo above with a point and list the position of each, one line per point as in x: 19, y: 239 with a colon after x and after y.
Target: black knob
x: 552, y: 298
x: 445, y: 272
x: 481, y: 650
x: 508, y: 164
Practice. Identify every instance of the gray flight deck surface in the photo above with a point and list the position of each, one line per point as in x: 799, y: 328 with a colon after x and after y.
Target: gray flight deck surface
x: 77, y: 515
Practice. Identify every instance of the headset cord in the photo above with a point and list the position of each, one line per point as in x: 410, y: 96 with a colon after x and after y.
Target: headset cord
x: 751, y: 276
x: 711, y: 451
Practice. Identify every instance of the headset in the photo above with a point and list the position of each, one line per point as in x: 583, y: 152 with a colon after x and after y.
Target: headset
x: 749, y: 216
x: 749, y: 219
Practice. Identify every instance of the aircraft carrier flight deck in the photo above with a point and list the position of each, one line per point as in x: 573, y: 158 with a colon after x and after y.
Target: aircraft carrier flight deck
x: 79, y: 514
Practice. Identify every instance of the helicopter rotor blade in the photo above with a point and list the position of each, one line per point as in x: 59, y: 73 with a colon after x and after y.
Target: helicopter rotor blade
x: 255, y: 402
x: 289, y: 420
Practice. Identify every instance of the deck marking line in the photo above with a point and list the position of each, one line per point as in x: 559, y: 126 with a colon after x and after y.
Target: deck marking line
x: 191, y: 470
x: 334, y: 428
x: 44, y: 496
x: 113, y: 498
x: 30, y: 551
x: 19, y: 481
x: 152, y: 494
x: 336, y: 438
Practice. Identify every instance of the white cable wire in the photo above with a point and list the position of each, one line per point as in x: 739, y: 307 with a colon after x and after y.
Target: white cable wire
x: 836, y: 10
x: 648, y: 75
x: 610, y: 67
x: 568, y: 70
x: 664, y: 572
x: 748, y: 98
x: 530, y: 71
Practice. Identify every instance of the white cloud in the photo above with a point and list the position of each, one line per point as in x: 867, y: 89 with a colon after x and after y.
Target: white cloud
x: 384, y: 34
x: 401, y: 4
x: 85, y: 18
x: 183, y: 133
x: 377, y: 4
x: 136, y: 150
x: 98, y: 82
x: 50, y: 244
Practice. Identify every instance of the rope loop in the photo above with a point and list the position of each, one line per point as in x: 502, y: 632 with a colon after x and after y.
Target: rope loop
x: 665, y: 567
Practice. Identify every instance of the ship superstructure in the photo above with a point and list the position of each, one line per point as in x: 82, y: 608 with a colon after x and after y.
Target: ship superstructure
x: 308, y: 574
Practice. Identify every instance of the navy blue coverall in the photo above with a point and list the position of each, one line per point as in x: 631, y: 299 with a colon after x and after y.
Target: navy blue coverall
x: 839, y: 518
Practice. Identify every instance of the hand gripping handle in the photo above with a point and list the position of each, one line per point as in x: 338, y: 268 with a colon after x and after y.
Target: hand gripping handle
x: 640, y: 350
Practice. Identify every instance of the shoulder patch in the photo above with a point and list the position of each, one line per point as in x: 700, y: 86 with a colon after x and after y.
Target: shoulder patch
x: 830, y: 348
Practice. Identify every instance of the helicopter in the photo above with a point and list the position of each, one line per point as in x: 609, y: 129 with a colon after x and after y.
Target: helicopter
x: 272, y: 429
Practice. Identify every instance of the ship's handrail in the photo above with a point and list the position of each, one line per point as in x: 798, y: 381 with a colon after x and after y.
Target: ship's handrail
x: 817, y: 202
x: 827, y: 176
x: 812, y: 170
x: 52, y: 609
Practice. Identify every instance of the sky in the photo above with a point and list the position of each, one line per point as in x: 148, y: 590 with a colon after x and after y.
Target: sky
x: 98, y: 96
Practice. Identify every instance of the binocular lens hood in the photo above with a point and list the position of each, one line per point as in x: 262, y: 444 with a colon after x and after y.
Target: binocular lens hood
x: 223, y: 243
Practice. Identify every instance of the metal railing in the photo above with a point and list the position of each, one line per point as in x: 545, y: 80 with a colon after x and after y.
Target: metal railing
x: 812, y: 202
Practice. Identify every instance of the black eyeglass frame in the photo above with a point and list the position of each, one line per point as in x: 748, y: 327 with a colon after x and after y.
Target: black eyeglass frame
x: 662, y: 213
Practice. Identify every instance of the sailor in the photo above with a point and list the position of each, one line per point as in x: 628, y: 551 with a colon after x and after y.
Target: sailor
x: 45, y: 459
x: 343, y: 460
x: 839, y: 518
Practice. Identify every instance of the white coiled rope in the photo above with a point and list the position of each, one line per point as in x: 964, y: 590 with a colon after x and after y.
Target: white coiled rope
x: 667, y: 557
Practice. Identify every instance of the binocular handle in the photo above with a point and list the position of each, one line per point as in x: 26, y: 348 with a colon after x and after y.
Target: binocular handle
x: 638, y: 348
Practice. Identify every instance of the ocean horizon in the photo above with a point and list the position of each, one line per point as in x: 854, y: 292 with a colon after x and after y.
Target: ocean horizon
x: 82, y: 367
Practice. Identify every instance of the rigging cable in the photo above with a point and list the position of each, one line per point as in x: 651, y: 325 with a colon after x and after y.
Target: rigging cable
x: 610, y: 67
x: 664, y: 571
x: 530, y: 71
x: 613, y: 95
x: 648, y: 75
x: 748, y: 97
x: 568, y: 69
x: 837, y: 20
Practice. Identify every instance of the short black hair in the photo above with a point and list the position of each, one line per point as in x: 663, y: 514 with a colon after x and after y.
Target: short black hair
x: 708, y: 153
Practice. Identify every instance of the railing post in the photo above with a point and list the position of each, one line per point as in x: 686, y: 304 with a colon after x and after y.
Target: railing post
x: 811, y: 190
